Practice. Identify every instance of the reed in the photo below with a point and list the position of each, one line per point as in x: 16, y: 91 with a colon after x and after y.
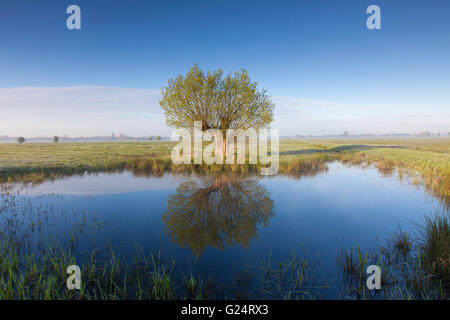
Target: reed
x: 412, y: 267
x: 435, y: 242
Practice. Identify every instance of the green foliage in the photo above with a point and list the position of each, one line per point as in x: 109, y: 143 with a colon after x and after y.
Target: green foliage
x: 158, y: 138
x: 21, y: 140
x: 220, y: 102
x: 55, y: 139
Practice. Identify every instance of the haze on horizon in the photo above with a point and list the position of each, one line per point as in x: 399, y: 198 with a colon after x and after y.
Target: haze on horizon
x: 326, y: 72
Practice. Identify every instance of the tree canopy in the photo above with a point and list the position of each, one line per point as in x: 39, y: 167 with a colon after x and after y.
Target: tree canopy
x: 220, y: 102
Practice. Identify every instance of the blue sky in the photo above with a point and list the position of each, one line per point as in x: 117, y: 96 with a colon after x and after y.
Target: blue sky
x: 324, y: 69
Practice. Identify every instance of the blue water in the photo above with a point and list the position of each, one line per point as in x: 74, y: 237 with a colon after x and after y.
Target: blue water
x: 217, y: 225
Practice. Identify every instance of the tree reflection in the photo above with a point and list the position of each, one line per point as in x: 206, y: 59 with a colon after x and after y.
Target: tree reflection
x: 214, y: 211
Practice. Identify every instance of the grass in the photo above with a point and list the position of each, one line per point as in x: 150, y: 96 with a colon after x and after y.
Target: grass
x: 411, y: 268
x: 418, y: 161
x: 401, y: 242
x: 435, y: 236
x: 108, y: 276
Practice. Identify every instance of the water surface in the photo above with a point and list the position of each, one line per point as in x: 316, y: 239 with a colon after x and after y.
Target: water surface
x: 215, y: 225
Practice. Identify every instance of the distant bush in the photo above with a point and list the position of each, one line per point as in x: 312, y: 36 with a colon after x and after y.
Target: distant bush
x: 55, y: 139
x: 158, y: 138
x: 21, y: 140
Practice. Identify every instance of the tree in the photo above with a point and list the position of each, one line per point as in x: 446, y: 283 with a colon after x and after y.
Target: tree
x: 21, y: 140
x: 55, y: 139
x: 158, y: 138
x: 150, y: 138
x: 219, y: 102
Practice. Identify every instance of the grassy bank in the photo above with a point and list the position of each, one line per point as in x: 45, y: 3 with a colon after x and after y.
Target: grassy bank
x: 420, y: 161
x: 147, y: 276
x: 413, y: 266
x: 411, y: 272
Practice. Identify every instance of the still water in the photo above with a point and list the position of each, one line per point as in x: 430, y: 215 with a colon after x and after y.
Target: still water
x: 217, y: 225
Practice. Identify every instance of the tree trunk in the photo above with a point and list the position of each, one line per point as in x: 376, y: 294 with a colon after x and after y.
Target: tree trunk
x: 224, y: 149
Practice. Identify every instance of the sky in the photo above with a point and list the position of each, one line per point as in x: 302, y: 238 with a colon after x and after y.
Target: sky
x: 324, y: 69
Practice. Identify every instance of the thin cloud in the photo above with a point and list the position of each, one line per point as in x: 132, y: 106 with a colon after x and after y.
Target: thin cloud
x: 78, y: 99
x: 95, y: 110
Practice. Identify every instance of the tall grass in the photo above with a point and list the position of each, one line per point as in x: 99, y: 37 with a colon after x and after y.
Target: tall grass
x: 435, y: 239
x: 411, y: 268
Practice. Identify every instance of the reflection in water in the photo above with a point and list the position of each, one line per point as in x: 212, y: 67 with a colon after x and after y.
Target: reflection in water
x: 34, y: 223
x: 214, y: 211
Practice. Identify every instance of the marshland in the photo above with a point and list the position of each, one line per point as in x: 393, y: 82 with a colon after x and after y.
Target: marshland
x: 141, y: 227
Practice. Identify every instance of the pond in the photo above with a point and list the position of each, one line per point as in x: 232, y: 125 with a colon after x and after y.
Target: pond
x: 216, y: 225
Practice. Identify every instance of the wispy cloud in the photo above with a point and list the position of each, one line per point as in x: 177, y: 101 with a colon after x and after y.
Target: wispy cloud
x: 79, y: 111
x: 304, y: 124
x: 86, y: 111
x: 60, y: 100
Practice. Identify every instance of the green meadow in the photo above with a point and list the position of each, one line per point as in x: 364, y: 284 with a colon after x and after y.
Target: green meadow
x: 422, y: 154
x: 423, y: 161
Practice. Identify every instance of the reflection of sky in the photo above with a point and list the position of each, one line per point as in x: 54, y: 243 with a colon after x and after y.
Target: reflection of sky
x: 103, y: 183
x: 344, y: 207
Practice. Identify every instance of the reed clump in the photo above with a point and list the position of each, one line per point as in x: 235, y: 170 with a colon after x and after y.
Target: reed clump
x: 307, y: 166
x: 412, y: 268
x: 435, y: 239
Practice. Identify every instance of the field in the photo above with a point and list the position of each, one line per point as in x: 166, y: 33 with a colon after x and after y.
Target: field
x: 421, y: 161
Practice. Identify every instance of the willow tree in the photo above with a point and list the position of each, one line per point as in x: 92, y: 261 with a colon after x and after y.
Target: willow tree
x: 219, y: 101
